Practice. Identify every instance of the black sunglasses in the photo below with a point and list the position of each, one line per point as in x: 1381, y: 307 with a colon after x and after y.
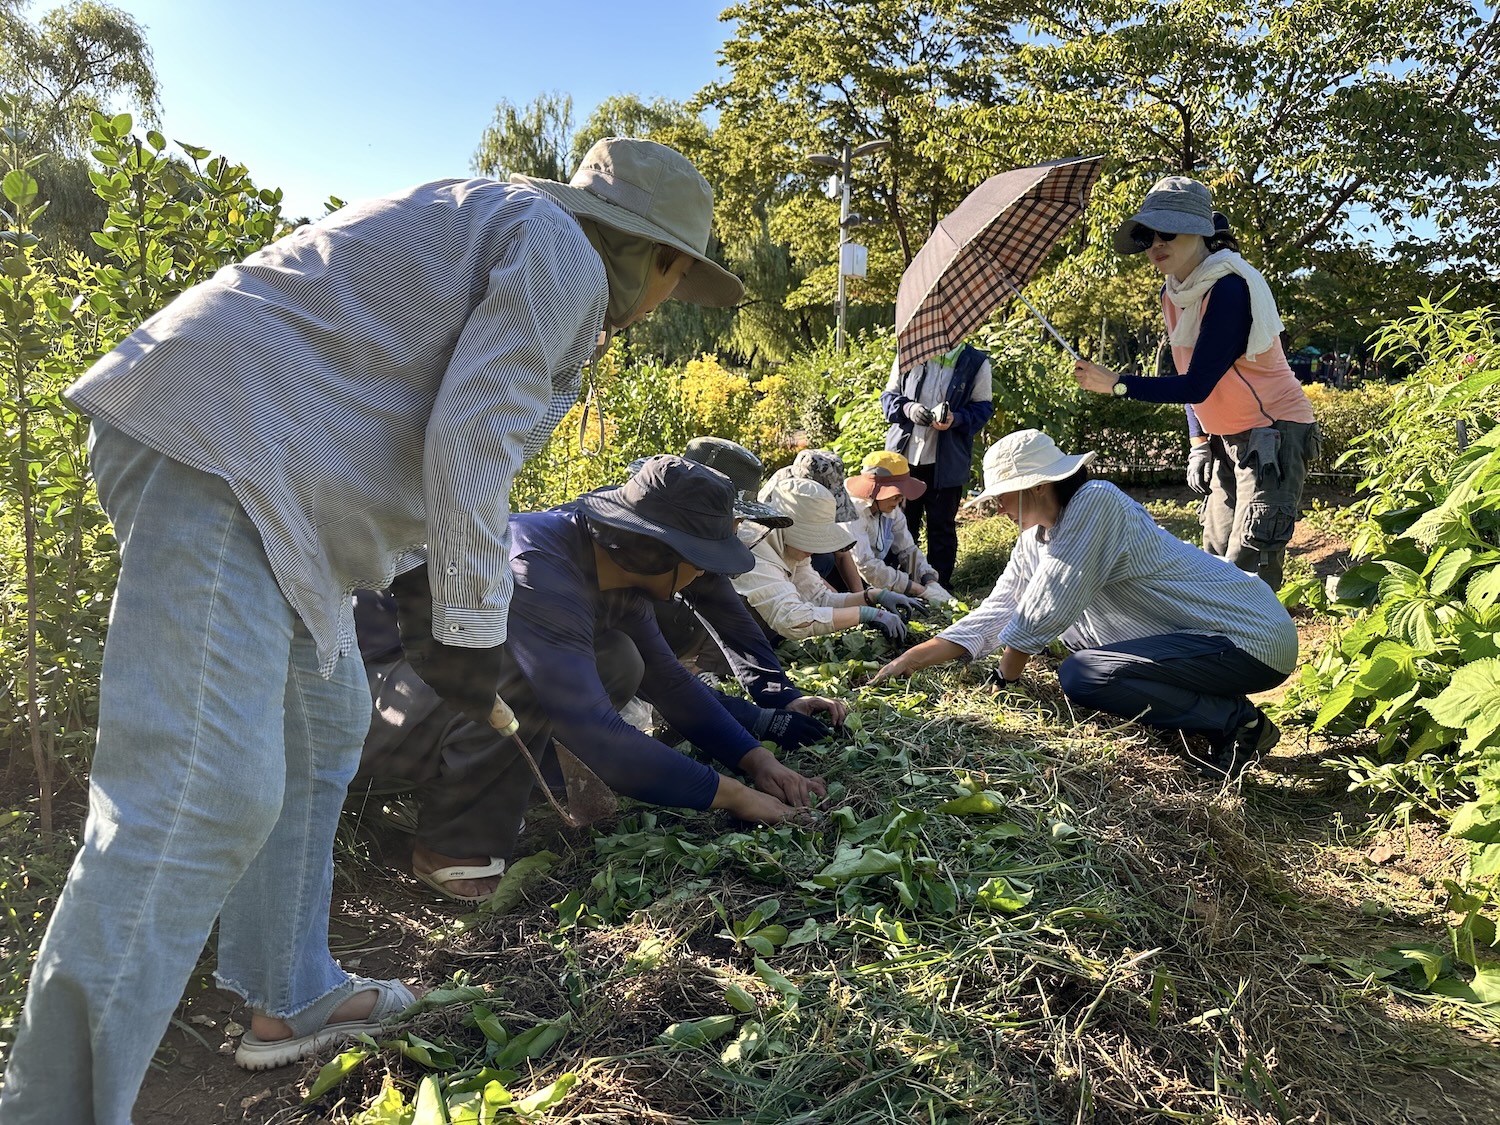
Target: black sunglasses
x: 1142, y: 237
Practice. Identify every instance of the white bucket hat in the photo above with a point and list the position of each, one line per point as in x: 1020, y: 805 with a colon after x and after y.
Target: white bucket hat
x: 650, y: 190
x: 812, y: 510
x: 1027, y: 458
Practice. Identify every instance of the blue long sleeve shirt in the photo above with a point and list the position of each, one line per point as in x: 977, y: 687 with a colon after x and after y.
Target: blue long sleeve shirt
x: 721, y: 609
x: 556, y: 611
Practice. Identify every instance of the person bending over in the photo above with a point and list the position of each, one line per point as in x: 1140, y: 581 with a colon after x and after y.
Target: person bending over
x: 1160, y: 631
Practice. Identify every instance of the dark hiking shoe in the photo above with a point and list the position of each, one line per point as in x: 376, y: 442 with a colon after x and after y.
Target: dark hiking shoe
x: 1246, y: 747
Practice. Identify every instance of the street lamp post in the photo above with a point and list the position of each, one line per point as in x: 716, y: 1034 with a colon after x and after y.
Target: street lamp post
x: 842, y: 164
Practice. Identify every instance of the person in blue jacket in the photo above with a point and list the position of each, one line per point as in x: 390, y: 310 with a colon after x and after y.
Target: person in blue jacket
x: 583, y: 639
x: 935, y: 410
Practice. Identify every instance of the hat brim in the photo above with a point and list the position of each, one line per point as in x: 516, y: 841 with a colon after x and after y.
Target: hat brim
x: 817, y: 538
x: 1169, y: 222
x: 879, y: 488
x: 707, y: 283
x: 1061, y: 469
x: 714, y: 556
x: 763, y: 514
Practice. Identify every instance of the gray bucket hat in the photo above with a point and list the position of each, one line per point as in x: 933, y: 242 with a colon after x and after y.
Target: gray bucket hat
x: 685, y: 505
x: 1176, y: 205
x: 744, y: 469
x: 650, y: 190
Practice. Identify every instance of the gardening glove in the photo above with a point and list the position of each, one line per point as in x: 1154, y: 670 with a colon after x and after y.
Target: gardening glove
x: 787, y: 729
x: 1200, y: 469
x: 897, y: 603
x: 936, y: 595
x: 884, y: 620
x: 919, y: 414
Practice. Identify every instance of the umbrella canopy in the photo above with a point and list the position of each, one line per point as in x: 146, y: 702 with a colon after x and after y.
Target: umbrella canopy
x: 984, y: 251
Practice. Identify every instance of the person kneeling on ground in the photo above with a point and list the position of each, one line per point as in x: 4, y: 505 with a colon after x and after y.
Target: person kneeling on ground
x: 887, y: 556
x: 582, y: 641
x: 825, y: 467
x: 1160, y: 630
x: 784, y: 591
x: 708, y: 623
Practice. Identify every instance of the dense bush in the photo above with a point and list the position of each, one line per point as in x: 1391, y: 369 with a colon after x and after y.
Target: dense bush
x: 1418, y: 663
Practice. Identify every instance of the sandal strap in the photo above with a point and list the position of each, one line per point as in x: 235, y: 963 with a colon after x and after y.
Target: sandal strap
x: 392, y: 997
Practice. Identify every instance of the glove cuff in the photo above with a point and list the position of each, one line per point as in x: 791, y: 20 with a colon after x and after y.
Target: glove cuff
x: 867, y: 614
x: 762, y: 723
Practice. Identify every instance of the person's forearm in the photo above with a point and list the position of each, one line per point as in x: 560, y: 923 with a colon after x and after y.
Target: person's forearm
x: 845, y: 617
x: 1013, y: 663
x: 937, y: 650
x: 848, y: 571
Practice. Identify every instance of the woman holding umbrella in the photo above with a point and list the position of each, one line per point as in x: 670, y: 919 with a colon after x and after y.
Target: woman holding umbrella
x: 1249, y: 421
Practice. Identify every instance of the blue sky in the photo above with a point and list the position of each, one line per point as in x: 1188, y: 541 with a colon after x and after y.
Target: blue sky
x: 358, y: 97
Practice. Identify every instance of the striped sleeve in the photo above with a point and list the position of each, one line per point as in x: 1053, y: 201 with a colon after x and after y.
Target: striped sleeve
x: 513, y: 375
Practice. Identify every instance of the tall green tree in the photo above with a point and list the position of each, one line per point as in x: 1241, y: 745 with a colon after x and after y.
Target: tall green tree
x: 530, y: 140
x: 809, y: 76
x: 1348, y: 140
x: 75, y: 60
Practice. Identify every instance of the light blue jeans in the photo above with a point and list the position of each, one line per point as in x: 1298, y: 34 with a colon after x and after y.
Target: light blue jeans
x: 222, y: 762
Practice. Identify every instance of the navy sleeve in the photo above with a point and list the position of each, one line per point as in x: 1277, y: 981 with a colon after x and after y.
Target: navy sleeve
x: 714, y: 599
x: 683, y: 699
x: 1222, y: 338
x: 552, y: 642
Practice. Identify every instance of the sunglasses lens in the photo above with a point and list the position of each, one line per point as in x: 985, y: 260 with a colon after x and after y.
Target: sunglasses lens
x: 1142, y: 237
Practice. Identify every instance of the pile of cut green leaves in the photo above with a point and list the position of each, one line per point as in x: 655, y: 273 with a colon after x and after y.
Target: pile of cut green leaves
x: 1002, y: 913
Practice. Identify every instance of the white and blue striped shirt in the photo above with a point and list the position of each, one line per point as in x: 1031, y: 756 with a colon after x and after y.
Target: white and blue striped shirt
x: 370, y: 384
x: 1108, y: 573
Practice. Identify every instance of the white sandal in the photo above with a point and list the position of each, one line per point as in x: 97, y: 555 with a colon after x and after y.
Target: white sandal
x: 439, y: 878
x: 311, y: 1031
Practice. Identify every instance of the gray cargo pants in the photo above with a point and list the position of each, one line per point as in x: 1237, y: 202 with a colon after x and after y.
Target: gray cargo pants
x: 1256, y: 495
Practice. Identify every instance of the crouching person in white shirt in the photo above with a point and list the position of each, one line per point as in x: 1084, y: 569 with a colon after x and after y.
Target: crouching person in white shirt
x: 1160, y: 631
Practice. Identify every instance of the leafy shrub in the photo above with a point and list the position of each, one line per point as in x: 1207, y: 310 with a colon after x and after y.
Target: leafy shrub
x: 1420, y: 659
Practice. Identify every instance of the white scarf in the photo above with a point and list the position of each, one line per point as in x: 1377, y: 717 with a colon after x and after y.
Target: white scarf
x: 1265, y: 323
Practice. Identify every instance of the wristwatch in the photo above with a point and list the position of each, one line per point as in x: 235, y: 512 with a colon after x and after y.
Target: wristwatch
x: 1120, y: 388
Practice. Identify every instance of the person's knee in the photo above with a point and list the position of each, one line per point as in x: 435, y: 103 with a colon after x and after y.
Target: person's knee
x: 1084, y: 681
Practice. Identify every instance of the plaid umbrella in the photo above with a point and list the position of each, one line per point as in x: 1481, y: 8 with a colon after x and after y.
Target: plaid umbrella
x: 984, y: 251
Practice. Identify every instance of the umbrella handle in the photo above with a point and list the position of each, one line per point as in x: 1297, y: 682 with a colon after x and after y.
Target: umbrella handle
x: 1045, y: 322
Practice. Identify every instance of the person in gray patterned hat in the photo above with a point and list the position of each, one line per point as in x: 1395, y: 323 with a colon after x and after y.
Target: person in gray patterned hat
x: 825, y: 467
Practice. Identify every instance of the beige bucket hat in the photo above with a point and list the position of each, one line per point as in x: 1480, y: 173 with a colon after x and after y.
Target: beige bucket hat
x: 812, y: 510
x: 1027, y: 458
x: 650, y: 190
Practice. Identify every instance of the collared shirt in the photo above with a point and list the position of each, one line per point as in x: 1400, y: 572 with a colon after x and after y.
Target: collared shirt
x: 870, y: 559
x: 791, y: 598
x: 555, y: 614
x: 371, y: 383
x: 1108, y: 573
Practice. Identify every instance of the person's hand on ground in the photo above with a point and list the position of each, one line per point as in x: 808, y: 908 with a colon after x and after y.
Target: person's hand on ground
x: 788, y: 729
x: 902, y: 666
x: 751, y: 804
x: 836, y: 709
x: 933, y: 594
x: 779, y: 780
x: 889, y: 624
x: 897, y: 603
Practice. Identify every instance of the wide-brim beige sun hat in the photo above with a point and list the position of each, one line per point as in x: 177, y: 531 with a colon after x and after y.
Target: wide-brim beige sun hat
x: 812, y: 509
x: 647, y: 189
x: 1025, y: 459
